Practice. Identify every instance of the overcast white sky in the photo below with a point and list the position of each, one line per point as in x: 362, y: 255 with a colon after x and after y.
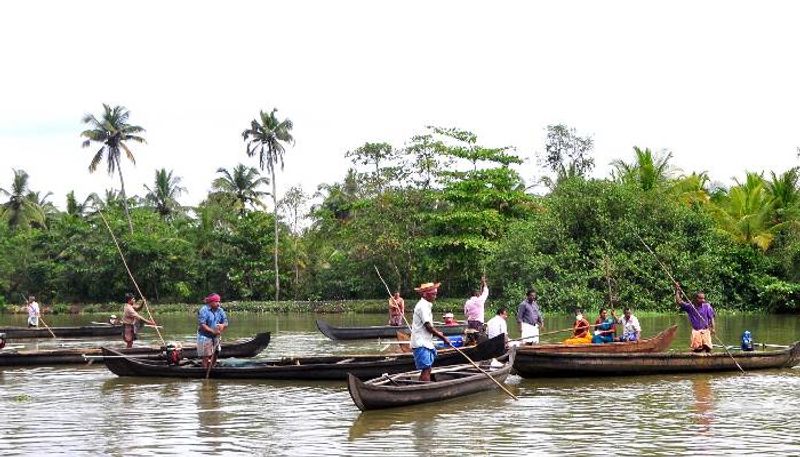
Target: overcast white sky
x: 716, y: 83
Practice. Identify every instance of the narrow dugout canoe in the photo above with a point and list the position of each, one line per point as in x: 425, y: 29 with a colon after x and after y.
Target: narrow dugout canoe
x: 658, y: 343
x: 405, y: 388
x: 536, y: 364
x: 376, y: 331
x: 298, y: 368
x: 15, y: 333
x: 247, y: 348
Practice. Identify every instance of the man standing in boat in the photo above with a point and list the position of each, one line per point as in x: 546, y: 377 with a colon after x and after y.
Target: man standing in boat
x: 473, y: 308
x: 701, y: 317
x: 397, y: 308
x: 423, y: 331
x: 211, y: 321
x: 33, y: 312
x: 130, y: 319
x: 530, y: 318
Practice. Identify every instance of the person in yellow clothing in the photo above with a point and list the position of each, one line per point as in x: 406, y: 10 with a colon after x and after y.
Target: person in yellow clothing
x: 580, y: 330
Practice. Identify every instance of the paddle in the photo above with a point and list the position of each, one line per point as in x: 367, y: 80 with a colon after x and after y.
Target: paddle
x: 678, y: 286
x: 457, y: 349
x: 122, y: 256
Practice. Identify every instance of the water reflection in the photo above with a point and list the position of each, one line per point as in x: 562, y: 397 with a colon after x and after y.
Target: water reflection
x: 209, y: 413
x: 703, y: 404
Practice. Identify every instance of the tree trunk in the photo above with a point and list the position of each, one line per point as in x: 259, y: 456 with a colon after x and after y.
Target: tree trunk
x: 275, y: 203
x: 124, y: 197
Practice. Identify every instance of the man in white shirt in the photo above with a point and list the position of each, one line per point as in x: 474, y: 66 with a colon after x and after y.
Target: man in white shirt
x: 497, y: 325
x: 631, y: 330
x: 423, y: 331
x: 33, y: 312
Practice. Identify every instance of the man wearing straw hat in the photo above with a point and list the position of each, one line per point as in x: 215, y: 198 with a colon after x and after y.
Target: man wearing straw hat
x: 211, y: 321
x: 423, y: 331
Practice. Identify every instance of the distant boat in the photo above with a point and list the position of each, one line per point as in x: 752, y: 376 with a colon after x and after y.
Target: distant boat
x: 376, y: 331
x: 448, y: 382
x: 15, y: 333
x: 299, y: 368
x: 65, y: 356
x: 536, y: 364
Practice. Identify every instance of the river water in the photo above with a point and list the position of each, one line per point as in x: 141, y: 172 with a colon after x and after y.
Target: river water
x: 86, y: 410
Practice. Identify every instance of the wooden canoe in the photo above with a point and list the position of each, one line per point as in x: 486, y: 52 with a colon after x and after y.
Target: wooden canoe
x: 658, y: 343
x: 376, y: 331
x: 405, y: 388
x: 247, y: 348
x: 298, y: 368
x: 16, y: 333
x: 534, y: 364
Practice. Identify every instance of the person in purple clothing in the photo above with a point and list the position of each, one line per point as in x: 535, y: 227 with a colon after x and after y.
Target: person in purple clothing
x: 701, y: 317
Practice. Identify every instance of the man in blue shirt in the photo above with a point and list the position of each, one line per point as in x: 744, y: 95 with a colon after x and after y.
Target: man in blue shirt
x: 211, y: 321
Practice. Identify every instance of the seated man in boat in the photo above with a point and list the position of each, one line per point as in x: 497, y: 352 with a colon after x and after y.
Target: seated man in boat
x: 449, y: 319
x: 473, y: 307
x: 580, y: 330
x: 211, y: 321
x: 423, y: 331
x: 701, y: 317
x: 605, y: 328
x: 397, y: 309
x: 497, y: 325
x: 130, y: 319
x: 631, y: 330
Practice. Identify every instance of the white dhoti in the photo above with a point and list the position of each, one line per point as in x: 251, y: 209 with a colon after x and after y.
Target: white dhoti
x: 530, y: 333
x: 33, y: 321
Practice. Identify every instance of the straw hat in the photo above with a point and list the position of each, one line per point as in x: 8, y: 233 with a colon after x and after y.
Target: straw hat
x: 427, y: 286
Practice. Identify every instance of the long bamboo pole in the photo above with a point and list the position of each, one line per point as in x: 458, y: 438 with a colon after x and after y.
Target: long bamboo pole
x: 122, y: 256
x: 457, y: 349
x: 678, y: 286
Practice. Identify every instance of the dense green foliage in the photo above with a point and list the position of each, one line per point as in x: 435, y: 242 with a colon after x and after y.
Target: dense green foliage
x: 443, y: 207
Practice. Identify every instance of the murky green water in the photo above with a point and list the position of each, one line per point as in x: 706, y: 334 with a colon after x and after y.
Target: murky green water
x: 87, y: 410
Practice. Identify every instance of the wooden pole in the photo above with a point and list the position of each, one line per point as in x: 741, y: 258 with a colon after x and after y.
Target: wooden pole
x: 678, y: 286
x: 122, y: 256
x: 457, y: 349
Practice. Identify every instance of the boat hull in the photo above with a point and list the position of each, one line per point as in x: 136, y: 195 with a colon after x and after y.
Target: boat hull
x: 377, y: 331
x: 567, y: 364
x: 17, y: 333
x: 380, y: 393
x: 299, y: 368
x: 248, y: 348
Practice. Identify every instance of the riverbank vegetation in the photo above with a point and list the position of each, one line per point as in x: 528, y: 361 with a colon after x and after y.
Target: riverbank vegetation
x: 443, y: 206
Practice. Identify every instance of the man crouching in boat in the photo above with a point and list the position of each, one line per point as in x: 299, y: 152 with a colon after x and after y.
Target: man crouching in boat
x: 423, y: 331
x: 211, y: 321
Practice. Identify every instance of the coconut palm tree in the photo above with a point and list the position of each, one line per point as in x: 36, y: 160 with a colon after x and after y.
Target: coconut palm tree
x: 692, y: 189
x: 241, y: 183
x: 81, y: 209
x: 784, y: 195
x: 21, y: 211
x: 647, y: 172
x: 266, y: 137
x: 746, y: 214
x: 165, y: 192
x: 112, y: 131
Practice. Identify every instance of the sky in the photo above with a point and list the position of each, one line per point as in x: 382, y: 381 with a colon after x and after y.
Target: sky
x: 713, y: 82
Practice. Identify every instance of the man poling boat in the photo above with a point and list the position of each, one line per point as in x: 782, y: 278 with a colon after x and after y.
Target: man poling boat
x: 423, y: 331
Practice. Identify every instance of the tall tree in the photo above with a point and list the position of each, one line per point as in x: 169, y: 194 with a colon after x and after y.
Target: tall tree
x: 566, y: 154
x: 376, y: 156
x: 242, y: 184
x: 165, y: 192
x: 21, y: 211
x: 112, y: 131
x: 266, y: 137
